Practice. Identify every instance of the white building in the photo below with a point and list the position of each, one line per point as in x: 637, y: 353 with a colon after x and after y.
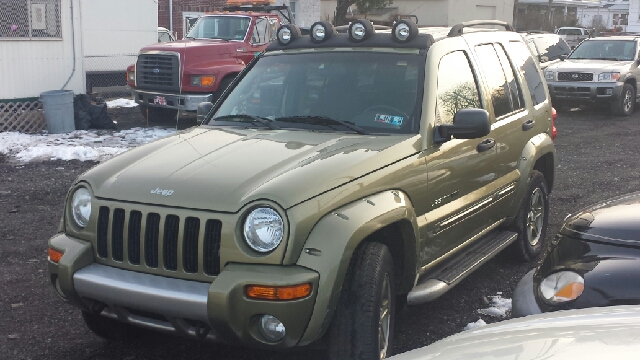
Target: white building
x: 608, y: 14
x: 305, y: 12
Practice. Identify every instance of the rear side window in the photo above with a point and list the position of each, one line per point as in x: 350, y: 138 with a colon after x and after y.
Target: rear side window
x: 522, y: 60
x: 551, y: 47
x: 496, y: 81
x: 457, y: 87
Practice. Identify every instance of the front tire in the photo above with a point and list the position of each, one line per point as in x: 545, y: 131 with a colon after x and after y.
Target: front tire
x: 532, y: 220
x: 363, y: 324
x: 626, y: 103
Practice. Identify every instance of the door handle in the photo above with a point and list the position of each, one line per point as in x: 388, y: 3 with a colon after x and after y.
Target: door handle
x: 528, y: 125
x: 485, y: 145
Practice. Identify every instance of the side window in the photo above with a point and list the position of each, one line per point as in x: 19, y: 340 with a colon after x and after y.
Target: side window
x: 522, y: 60
x: 273, y: 29
x: 496, y: 81
x: 551, y: 48
x: 515, y: 93
x: 532, y: 48
x: 260, y: 33
x: 455, y: 92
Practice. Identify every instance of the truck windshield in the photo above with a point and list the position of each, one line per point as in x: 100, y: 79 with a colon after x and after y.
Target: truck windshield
x: 363, y: 92
x: 220, y: 27
x: 619, y: 50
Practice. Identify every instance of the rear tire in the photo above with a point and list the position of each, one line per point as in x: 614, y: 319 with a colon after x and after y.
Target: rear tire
x: 363, y: 323
x: 107, y: 328
x: 158, y: 114
x: 532, y: 220
x: 624, y: 105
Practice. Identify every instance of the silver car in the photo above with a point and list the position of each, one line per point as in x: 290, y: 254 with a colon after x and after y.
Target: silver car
x: 601, y: 71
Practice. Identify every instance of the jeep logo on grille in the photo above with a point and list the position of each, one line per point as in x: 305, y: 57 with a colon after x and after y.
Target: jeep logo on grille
x: 575, y: 76
x: 156, y: 71
x: 162, y: 192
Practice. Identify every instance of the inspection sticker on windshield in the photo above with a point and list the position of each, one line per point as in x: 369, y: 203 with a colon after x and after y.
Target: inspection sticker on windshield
x: 389, y: 119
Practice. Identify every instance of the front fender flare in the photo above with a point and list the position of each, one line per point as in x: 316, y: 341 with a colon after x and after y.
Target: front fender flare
x: 334, y: 239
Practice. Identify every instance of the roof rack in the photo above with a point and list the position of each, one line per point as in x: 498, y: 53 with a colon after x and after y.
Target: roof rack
x: 456, y: 30
x: 282, y: 9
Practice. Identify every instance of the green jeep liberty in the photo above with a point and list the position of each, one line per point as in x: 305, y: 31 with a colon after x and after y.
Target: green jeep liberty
x: 339, y: 176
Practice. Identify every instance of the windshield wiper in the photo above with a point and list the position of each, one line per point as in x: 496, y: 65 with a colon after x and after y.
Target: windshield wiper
x: 323, y: 120
x: 250, y: 119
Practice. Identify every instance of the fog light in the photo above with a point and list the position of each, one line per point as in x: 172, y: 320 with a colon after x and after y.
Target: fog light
x: 287, y: 34
x: 271, y: 328
x: 360, y: 30
x: 404, y: 30
x: 321, y: 31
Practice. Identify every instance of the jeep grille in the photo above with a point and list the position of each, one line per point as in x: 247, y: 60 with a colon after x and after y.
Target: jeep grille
x: 163, y: 237
x: 575, y: 76
x: 158, y: 72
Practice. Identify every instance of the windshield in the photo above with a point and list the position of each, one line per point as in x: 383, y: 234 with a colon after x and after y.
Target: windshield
x: 365, y: 92
x: 220, y: 27
x: 569, y: 32
x: 605, y: 50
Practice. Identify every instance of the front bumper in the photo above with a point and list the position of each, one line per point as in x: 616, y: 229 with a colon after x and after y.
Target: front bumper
x: 217, y: 311
x: 584, y: 91
x: 524, y: 300
x: 186, y: 102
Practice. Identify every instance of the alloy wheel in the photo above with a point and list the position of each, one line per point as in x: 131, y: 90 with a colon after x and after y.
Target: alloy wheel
x: 535, y: 217
x: 385, y: 317
x: 627, y: 102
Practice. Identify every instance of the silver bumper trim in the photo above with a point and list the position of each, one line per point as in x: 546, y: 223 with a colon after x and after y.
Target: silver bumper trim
x: 187, y: 102
x: 173, y: 298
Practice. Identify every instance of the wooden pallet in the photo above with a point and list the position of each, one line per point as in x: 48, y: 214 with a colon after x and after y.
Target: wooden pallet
x: 25, y: 117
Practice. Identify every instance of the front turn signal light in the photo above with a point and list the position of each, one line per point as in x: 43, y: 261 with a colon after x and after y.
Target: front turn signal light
x: 55, y: 255
x: 561, y: 287
x: 262, y: 292
x: 207, y: 80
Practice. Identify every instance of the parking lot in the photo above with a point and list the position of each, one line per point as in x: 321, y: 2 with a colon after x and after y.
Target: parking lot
x: 598, y: 158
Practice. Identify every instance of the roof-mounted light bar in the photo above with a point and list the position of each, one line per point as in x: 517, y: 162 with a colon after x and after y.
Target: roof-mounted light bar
x: 287, y: 34
x: 361, y: 30
x: 404, y: 31
x: 321, y: 31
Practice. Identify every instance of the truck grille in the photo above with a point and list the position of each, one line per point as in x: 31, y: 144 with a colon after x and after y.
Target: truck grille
x: 158, y: 72
x: 163, y: 237
x: 575, y: 76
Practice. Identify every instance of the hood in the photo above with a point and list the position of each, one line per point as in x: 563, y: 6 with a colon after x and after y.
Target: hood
x: 196, y: 50
x: 594, y: 333
x: 594, y: 66
x: 224, y: 168
x: 616, y: 220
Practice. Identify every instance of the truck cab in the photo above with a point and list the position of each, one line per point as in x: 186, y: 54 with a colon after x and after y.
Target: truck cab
x: 573, y: 35
x: 179, y: 75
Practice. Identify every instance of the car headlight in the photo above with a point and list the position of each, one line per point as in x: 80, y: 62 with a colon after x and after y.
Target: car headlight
x: 263, y: 229
x: 549, y: 75
x: 81, y: 206
x: 561, y: 287
x: 131, y: 76
x: 612, y: 76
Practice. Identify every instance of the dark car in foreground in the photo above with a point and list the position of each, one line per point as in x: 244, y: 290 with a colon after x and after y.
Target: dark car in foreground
x: 593, y: 261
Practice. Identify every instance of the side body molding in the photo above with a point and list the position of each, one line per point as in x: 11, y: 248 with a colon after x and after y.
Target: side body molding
x: 331, y: 243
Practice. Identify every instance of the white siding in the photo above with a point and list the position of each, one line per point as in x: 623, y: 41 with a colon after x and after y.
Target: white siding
x: 29, y: 67
x: 634, y: 16
x: 307, y: 11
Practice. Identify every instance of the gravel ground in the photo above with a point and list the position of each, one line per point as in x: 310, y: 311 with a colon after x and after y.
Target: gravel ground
x: 597, y: 160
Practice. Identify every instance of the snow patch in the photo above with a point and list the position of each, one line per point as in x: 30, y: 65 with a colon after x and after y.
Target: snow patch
x: 83, y: 145
x: 121, y: 103
x: 500, y: 307
x: 475, y: 325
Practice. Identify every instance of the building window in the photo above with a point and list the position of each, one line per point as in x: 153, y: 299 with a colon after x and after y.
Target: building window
x: 30, y: 19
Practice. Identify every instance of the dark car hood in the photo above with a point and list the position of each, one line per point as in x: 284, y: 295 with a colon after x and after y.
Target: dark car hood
x: 617, y: 219
x: 223, y: 168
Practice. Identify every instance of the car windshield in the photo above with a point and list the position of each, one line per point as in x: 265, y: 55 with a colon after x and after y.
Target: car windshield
x: 355, y: 91
x: 569, y: 32
x: 605, y: 50
x: 220, y: 27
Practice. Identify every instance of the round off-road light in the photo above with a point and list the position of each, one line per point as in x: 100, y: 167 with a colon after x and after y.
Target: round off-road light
x: 287, y: 34
x: 321, y: 31
x: 263, y: 229
x: 81, y: 206
x: 360, y: 30
x: 404, y: 31
x: 561, y: 287
x: 272, y: 328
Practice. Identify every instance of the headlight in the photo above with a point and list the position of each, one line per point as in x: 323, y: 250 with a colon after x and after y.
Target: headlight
x: 202, y: 80
x: 612, y: 76
x: 561, y: 287
x: 81, y: 206
x: 263, y: 229
x: 131, y: 76
x: 549, y: 75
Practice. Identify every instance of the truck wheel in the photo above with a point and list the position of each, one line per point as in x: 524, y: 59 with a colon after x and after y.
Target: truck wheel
x: 626, y: 103
x: 363, y: 324
x: 158, y: 114
x: 532, y: 219
x: 107, y: 328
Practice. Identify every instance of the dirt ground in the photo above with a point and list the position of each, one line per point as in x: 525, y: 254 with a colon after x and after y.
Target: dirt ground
x: 598, y: 158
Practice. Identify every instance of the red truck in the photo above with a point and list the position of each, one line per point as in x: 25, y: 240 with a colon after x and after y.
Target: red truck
x: 179, y: 75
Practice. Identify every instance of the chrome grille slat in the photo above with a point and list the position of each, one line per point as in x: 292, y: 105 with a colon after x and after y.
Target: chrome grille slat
x: 151, y: 235
x: 190, y: 245
x: 103, y: 232
x: 117, y: 235
x: 170, y: 242
x: 133, y: 241
x: 211, y: 251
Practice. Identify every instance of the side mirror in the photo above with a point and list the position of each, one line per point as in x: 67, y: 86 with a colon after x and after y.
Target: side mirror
x: 203, y: 110
x: 467, y: 124
x: 563, y: 57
